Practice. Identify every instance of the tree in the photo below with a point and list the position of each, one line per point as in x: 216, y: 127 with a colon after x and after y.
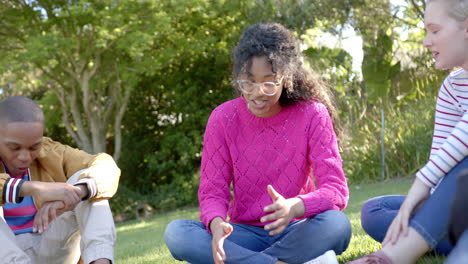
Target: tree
x: 169, y: 109
x: 90, y: 54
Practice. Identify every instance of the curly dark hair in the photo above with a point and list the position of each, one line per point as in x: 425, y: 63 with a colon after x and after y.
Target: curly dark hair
x: 279, y: 46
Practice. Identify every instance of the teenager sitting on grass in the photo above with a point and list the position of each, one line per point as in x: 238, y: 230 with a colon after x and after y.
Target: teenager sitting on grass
x: 54, y: 197
x: 276, y: 145
x: 410, y: 226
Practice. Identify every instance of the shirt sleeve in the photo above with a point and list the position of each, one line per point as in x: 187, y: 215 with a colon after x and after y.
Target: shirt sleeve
x: 11, y: 189
x: 448, y: 149
x: 331, y: 187
x: 215, y: 172
x: 102, y: 174
x: 90, y: 186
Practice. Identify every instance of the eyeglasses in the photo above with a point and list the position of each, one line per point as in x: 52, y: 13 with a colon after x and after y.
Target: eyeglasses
x: 267, y: 88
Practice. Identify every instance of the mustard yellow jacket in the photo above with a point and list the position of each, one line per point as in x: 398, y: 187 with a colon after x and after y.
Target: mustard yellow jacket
x: 57, y: 162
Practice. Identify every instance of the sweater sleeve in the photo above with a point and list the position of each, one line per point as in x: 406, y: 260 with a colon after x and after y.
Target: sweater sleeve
x: 448, y: 149
x: 331, y: 187
x: 215, y: 172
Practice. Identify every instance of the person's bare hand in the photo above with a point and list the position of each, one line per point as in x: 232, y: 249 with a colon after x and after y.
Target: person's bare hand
x: 52, y: 191
x: 220, y: 230
x: 46, y: 214
x: 400, y: 225
x: 283, y: 211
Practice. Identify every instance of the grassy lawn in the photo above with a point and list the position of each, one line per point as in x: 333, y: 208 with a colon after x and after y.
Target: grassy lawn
x: 143, y: 242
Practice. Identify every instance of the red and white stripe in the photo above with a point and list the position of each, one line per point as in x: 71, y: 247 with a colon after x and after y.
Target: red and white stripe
x: 450, y: 138
x: 11, y: 190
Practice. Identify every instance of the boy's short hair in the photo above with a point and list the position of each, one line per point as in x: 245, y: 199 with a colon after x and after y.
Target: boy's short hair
x: 20, y: 109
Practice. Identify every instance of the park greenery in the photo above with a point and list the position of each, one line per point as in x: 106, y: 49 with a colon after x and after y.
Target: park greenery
x: 142, y: 241
x: 139, y: 78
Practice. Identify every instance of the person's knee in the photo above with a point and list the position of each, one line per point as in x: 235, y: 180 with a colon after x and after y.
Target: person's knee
x: 74, y: 178
x: 368, y: 213
x: 174, y: 236
x: 340, y: 222
x: 368, y: 208
x: 338, y: 229
x: 343, y: 230
x: 173, y: 231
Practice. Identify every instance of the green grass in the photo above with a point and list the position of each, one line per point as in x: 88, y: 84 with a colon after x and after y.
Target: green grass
x: 143, y: 242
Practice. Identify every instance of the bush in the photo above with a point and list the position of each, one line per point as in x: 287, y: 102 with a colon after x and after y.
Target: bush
x: 124, y: 203
x: 408, y: 132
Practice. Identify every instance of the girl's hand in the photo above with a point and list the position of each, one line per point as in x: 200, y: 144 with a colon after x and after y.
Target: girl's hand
x: 284, y: 210
x: 220, y: 230
x: 416, y: 197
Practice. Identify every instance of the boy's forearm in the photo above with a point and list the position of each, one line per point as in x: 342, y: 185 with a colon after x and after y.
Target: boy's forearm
x: 27, y: 188
x: 51, y: 191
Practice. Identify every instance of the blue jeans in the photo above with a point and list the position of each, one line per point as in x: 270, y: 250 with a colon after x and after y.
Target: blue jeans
x: 430, y: 221
x: 459, y: 254
x: 301, y: 241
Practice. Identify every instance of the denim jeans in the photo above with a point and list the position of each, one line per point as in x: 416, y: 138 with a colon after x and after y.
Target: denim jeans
x: 459, y: 253
x: 430, y: 221
x: 301, y: 241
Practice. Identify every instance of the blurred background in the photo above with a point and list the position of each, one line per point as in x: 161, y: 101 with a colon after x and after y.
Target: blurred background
x: 138, y: 80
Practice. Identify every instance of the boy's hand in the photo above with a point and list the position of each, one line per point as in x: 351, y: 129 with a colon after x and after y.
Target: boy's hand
x: 43, y: 192
x: 52, y: 209
x: 46, y: 214
x: 83, y: 190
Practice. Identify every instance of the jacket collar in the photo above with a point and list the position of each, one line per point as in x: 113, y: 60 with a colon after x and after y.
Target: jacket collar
x: 45, y: 147
x: 2, y: 167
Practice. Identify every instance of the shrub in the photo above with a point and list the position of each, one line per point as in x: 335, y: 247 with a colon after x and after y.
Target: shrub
x: 408, y: 131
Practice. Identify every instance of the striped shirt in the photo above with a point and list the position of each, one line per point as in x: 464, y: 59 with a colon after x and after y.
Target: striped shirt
x: 19, y: 212
x: 450, y: 138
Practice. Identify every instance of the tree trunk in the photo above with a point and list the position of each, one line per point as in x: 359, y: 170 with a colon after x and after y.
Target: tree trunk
x: 118, y: 121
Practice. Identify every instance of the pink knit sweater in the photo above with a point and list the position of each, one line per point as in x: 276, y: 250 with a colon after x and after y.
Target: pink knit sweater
x: 290, y: 151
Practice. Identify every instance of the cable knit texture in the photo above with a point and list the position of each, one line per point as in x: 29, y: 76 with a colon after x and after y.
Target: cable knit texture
x: 290, y: 151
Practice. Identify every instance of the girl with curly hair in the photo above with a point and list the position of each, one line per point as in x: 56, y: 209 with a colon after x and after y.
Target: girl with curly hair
x: 276, y: 146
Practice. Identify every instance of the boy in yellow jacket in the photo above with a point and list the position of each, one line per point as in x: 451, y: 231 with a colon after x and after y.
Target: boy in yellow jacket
x: 54, y: 197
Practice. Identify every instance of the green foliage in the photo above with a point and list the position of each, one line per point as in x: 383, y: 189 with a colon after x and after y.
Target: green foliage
x: 170, y: 108
x: 408, y: 131
x: 53, y: 122
x: 377, y: 68
x: 142, y: 241
x: 302, y: 14
x: 125, y: 202
x: 89, y: 53
x: 334, y: 65
x: 174, y: 56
